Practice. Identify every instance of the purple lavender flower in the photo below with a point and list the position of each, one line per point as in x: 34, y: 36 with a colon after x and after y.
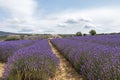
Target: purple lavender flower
x: 95, y: 57
x: 35, y: 62
x: 7, y: 48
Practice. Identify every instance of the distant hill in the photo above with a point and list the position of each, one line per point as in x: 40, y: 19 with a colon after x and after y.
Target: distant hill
x: 2, y: 33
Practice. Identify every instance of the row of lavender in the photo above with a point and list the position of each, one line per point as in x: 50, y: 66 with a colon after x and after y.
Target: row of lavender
x: 110, y: 40
x: 94, y: 61
x: 35, y: 62
x: 7, y: 48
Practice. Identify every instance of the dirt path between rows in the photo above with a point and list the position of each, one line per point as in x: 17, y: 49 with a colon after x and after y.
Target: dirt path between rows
x: 1, y: 69
x: 65, y: 71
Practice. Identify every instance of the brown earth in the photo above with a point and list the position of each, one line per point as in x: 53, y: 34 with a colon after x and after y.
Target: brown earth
x: 65, y: 70
x: 1, y: 69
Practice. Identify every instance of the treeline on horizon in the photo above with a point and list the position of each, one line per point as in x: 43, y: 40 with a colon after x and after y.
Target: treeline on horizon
x: 46, y: 36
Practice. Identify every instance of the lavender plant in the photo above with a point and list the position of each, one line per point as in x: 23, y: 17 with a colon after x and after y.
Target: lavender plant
x: 110, y: 40
x: 7, y: 48
x: 36, y: 62
x: 93, y: 60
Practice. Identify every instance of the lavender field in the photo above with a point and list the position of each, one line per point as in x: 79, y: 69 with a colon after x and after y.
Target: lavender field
x: 8, y: 48
x: 59, y: 39
x: 93, y: 57
x: 33, y: 62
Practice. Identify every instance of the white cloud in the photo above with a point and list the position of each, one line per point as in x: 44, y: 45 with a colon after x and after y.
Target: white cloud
x: 21, y: 12
x: 105, y: 19
x: 19, y: 8
x: 24, y: 18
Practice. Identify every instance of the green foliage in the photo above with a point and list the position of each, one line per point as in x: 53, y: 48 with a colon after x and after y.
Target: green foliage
x: 92, y: 32
x: 22, y: 36
x: 78, y: 34
x: 9, y: 38
x: 46, y: 36
x: 2, y: 38
x: 84, y: 34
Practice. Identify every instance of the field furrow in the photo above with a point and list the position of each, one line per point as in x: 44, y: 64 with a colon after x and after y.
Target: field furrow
x: 1, y: 69
x: 65, y: 70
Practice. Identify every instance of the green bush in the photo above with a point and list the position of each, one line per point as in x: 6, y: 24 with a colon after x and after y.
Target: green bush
x: 78, y: 34
x: 92, y: 32
x: 22, y: 36
x: 9, y: 38
x: 84, y: 34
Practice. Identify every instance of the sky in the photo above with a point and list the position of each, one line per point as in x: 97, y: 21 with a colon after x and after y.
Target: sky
x: 59, y: 16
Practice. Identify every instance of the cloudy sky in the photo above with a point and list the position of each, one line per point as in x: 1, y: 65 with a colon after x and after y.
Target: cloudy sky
x: 59, y: 16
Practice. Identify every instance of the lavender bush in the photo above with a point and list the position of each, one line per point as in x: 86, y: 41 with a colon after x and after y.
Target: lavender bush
x: 7, y: 48
x: 93, y: 60
x: 36, y: 62
x: 110, y: 40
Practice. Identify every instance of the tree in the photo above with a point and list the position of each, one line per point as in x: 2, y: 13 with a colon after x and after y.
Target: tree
x: 92, y: 32
x: 84, y: 34
x: 78, y: 34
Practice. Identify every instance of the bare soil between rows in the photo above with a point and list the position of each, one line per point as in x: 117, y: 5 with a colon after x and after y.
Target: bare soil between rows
x: 65, y: 70
x: 1, y: 69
